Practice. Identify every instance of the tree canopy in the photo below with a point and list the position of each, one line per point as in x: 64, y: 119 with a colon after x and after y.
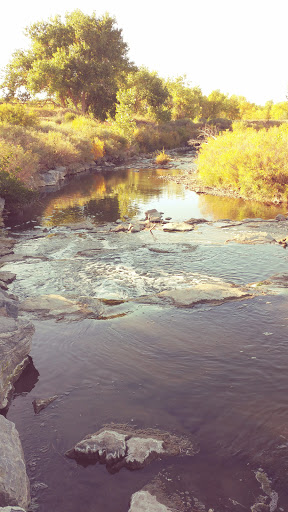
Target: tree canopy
x: 81, y: 60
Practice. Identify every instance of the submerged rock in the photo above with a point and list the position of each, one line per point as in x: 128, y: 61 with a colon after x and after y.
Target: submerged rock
x: 15, y: 344
x: 40, y: 404
x: 14, y: 483
x: 132, y: 449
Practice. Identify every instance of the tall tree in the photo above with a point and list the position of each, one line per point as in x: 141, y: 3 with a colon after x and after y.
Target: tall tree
x: 80, y: 60
x: 185, y: 100
x: 150, y: 94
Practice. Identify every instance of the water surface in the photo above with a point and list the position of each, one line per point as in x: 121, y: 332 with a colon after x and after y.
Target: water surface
x: 217, y: 374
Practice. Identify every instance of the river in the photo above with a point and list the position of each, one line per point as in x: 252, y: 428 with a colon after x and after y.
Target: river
x: 215, y: 373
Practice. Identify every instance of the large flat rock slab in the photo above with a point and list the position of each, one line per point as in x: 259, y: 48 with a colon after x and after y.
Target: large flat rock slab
x: 14, y: 483
x: 204, y: 292
x: 15, y: 345
x: 178, y: 226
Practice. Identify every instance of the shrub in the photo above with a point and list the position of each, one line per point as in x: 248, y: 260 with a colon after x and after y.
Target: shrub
x: 11, y: 187
x: 252, y: 162
x: 162, y: 158
x: 17, y: 114
x: 98, y: 148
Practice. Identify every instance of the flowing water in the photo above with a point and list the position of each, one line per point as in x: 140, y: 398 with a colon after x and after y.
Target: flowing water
x: 216, y: 374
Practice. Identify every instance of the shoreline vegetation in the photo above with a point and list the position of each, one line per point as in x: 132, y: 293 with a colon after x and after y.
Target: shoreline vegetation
x: 97, y: 106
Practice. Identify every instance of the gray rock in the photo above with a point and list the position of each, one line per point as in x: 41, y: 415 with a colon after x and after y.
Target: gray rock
x: 11, y: 509
x: 142, y: 450
x: 6, y: 246
x: 196, y: 221
x: 53, y: 304
x: 8, y: 304
x: 280, y: 217
x: 53, y: 176
x: 107, y: 446
x: 15, y: 344
x: 143, y: 501
x: 7, y: 277
x: 132, y: 449
x: 40, y: 404
x: 153, y: 215
x: 14, y: 483
x: 204, y: 292
x: 178, y: 226
x: 119, y: 228
x: 260, y: 237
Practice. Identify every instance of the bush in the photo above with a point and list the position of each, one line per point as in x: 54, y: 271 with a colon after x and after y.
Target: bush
x: 162, y: 158
x: 11, y: 187
x: 252, y: 162
x: 17, y: 114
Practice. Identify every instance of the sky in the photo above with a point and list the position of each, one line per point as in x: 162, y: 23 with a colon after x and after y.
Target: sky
x: 237, y: 46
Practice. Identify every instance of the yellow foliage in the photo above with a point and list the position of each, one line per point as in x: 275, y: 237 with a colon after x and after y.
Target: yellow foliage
x: 98, y: 148
x: 252, y: 162
x: 162, y: 158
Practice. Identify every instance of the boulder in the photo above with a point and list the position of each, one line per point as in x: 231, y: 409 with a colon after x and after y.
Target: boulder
x: 53, y: 177
x: 14, y: 483
x: 132, y: 449
x: 178, y: 226
x: 15, y: 344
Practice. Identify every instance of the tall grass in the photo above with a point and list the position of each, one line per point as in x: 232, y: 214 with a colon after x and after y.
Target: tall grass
x: 252, y: 162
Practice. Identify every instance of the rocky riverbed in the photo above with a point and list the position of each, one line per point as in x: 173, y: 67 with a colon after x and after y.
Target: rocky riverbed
x: 181, y: 299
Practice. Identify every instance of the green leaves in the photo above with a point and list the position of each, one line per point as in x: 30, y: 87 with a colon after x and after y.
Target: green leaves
x: 80, y: 60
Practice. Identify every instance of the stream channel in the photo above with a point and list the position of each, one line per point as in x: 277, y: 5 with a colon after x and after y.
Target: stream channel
x: 215, y: 373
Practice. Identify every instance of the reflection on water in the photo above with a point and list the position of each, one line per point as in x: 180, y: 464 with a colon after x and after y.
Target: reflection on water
x: 194, y: 372
x: 106, y: 197
x: 218, y: 374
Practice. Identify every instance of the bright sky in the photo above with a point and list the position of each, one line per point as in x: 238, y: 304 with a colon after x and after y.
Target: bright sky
x: 237, y: 46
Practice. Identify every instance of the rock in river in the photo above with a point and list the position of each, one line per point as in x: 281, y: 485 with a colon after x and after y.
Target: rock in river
x: 132, y: 449
x: 11, y: 509
x: 14, y: 483
x: 214, y: 293
x: 143, y: 501
x: 42, y: 403
x: 178, y: 226
x: 15, y: 343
